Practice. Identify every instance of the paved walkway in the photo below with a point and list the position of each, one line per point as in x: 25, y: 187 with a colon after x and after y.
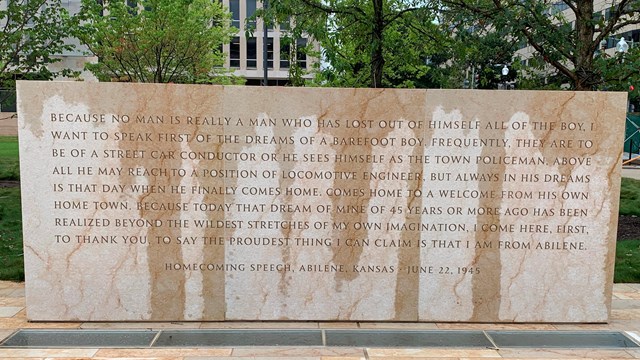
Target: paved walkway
x: 631, y: 172
x: 625, y: 318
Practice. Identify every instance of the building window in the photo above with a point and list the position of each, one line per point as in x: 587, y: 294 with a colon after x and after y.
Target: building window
x: 133, y: 7
x: 285, y: 53
x: 270, y: 53
x: 101, y: 4
x: 234, y: 8
x: 252, y: 53
x: 597, y: 16
x: 286, y: 25
x: 301, y: 53
x: 234, y: 53
x: 251, y: 10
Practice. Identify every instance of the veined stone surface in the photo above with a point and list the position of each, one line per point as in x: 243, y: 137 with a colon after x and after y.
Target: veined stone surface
x: 148, y: 202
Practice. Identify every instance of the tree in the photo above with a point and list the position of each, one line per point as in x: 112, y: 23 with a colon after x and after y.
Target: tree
x: 32, y: 32
x: 157, y: 41
x: 621, y: 73
x: 374, y: 43
x: 474, y: 56
x: 569, y: 48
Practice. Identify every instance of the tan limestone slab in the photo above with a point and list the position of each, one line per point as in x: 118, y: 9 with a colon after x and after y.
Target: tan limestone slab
x: 627, y: 295
x: 398, y: 326
x: 613, y: 325
x: 338, y: 325
x: 10, y: 311
x: 627, y: 314
x: 564, y: 353
x: 492, y: 326
x: 139, y: 358
x: 430, y: 353
x: 140, y: 325
x: 623, y: 304
x: 5, y: 334
x: 625, y: 325
x: 22, y: 323
x: 19, y: 292
x: 12, y: 301
x: 258, y: 325
x: 622, y: 287
x: 11, y: 284
x: 569, y: 358
x: 296, y: 351
x: 253, y: 358
x: 342, y: 358
x: 444, y: 357
x: 164, y: 352
x: 6, y: 292
x: 47, y: 353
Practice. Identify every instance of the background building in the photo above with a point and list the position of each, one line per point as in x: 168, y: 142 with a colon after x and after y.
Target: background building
x: 245, y: 51
x: 244, y: 54
x: 602, y: 10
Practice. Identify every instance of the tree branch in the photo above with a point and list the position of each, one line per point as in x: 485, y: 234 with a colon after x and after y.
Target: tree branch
x: 563, y: 69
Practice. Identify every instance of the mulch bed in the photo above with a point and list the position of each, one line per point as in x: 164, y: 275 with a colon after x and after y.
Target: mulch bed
x: 628, y: 228
x: 9, y: 183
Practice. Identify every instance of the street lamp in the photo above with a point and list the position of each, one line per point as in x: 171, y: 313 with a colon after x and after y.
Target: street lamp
x: 622, y: 46
x: 504, y: 72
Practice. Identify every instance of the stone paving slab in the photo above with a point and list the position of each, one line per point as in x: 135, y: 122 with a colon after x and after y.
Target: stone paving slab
x: 625, y: 318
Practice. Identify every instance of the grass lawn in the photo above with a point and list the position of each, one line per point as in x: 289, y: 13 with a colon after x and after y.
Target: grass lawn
x: 11, y: 253
x: 627, y: 262
x: 9, y: 163
x: 11, y: 258
x: 630, y: 197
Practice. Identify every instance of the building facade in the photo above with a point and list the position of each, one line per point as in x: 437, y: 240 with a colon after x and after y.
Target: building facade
x: 245, y: 52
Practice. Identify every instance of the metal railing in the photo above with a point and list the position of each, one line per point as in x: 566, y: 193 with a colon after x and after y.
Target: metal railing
x: 632, y: 139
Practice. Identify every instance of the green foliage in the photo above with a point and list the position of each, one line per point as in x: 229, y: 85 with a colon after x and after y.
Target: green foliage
x: 11, y: 251
x: 31, y: 33
x: 157, y: 41
x: 627, y: 268
x: 474, y: 57
x: 630, y: 197
x: 619, y: 72
x: 566, y: 44
x: 370, y: 43
x: 9, y: 161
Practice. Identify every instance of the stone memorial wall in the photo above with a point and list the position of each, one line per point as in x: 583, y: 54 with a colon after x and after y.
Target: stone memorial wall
x: 146, y: 202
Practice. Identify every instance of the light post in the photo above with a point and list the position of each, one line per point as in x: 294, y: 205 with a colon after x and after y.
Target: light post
x: 621, y: 48
x: 265, y: 38
x: 505, y: 73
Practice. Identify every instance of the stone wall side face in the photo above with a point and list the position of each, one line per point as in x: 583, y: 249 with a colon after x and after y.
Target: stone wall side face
x: 148, y: 202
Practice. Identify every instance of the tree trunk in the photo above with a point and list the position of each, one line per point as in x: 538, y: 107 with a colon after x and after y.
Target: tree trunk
x: 377, y: 57
x: 585, y: 48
